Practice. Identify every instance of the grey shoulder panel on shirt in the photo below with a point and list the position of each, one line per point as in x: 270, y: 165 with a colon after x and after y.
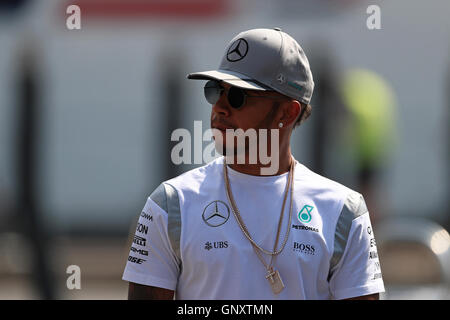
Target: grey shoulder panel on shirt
x: 159, y: 197
x: 166, y: 197
x: 354, y: 206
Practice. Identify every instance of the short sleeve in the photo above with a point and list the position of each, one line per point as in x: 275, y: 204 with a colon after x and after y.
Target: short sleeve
x: 152, y: 259
x: 358, y: 271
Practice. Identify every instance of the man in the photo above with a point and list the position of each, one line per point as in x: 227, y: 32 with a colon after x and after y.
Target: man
x: 227, y: 230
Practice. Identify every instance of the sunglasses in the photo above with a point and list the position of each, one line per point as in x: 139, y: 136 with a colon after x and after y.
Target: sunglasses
x: 236, y: 96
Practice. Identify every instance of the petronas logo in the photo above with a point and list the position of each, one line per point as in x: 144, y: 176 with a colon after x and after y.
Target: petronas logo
x: 305, y: 214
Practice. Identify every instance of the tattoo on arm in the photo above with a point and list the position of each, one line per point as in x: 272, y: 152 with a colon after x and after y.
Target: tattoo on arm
x: 141, y: 292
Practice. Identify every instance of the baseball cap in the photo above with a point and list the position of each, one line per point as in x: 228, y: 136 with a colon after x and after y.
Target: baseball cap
x: 264, y: 59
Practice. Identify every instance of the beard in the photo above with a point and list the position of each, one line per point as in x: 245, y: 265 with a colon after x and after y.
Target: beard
x: 238, y: 146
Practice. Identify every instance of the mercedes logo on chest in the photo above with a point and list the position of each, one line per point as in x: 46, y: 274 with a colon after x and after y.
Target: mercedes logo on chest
x: 216, y: 213
x: 238, y: 50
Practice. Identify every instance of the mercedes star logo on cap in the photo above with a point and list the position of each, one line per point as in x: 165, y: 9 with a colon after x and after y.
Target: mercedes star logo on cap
x: 238, y: 50
x: 216, y: 213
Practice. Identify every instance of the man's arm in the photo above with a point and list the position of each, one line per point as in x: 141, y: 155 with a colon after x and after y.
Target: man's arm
x: 141, y: 292
x: 375, y: 296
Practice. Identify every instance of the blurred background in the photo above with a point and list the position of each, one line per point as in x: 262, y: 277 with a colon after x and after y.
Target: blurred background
x: 86, y: 117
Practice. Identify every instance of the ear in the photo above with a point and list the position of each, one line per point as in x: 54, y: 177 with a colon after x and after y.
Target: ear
x: 291, y: 111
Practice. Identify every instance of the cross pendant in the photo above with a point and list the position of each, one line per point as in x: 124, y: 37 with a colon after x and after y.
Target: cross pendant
x: 270, y: 275
x: 273, y: 276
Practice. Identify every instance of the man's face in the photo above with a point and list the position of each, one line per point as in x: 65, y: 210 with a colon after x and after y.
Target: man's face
x: 257, y: 113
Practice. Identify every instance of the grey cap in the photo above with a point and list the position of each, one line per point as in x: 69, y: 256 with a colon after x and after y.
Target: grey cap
x: 265, y: 59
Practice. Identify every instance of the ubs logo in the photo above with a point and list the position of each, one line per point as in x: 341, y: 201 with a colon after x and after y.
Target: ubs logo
x: 216, y: 213
x: 216, y: 245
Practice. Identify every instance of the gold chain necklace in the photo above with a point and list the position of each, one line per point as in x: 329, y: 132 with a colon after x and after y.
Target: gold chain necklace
x: 273, y: 276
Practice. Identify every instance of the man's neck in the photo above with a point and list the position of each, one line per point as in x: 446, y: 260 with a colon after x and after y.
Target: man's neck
x: 284, y: 163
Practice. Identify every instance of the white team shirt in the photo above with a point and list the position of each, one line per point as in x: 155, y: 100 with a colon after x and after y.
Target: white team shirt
x: 188, y: 240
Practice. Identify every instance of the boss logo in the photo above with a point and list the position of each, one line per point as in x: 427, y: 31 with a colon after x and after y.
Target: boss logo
x: 304, y: 248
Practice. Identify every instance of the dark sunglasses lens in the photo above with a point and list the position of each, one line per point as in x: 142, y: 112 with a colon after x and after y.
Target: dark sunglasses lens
x: 236, y: 97
x: 212, y: 91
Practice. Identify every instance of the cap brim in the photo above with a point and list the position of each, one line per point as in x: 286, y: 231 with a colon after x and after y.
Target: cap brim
x: 232, y: 78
